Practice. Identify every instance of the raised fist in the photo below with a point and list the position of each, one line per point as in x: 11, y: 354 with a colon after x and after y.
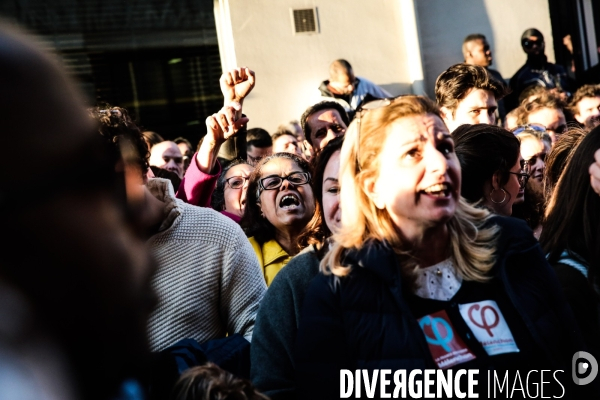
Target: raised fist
x: 236, y: 84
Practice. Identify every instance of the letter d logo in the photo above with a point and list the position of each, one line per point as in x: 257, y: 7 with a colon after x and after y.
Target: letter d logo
x: 579, y: 367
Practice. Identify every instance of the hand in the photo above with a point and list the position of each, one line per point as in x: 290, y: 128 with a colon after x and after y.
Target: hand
x: 224, y: 124
x: 595, y: 173
x: 237, y: 84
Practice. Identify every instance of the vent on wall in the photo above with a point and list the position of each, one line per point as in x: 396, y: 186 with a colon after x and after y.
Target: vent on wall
x: 305, y: 20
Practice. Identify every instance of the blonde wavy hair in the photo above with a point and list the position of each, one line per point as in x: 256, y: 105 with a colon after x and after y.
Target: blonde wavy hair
x: 472, y: 245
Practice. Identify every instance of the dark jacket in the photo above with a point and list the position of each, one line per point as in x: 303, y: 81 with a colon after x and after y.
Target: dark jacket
x: 363, y: 321
x: 537, y: 72
x: 583, y: 298
x: 272, y: 362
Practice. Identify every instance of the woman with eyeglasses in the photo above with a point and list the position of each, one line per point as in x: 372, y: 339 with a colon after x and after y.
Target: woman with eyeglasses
x: 279, y: 204
x: 493, y: 174
x: 229, y: 197
x: 272, y: 350
x: 571, y: 236
x: 417, y: 278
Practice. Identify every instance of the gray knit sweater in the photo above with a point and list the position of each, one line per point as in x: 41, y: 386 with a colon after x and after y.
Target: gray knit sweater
x: 208, y: 279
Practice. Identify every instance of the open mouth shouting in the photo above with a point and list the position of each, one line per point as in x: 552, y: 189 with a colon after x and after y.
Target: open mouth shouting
x: 290, y: 201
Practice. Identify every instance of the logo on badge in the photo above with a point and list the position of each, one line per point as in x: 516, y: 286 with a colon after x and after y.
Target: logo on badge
x: 583, y: 363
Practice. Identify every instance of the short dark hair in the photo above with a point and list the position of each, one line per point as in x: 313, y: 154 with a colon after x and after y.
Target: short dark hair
x: 582, y: 93
x: 471, y: 38
x: 474, y: 36
x: 455, y: 83
x: 152, y: 138
x: 324, y: 105
x: 258, y: 137
x: 217, y: 201
x: 181, y: 139
x: 252, y: 222
x: 483, y: 150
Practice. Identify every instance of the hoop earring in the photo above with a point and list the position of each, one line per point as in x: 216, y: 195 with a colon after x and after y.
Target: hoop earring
x: 503, y: 198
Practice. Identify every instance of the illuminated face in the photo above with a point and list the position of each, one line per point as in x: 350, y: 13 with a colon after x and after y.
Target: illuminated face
x: 325, y: 125
x: 331, y: 193
x: 290, y: 205
x: 478, y: 107
x: 552, y: 118
x: 287, y: 144
x: 534, y: 151
x: 166, y: 155
x: 480, y: 53
x: 235, y: 195
x: 588, y: 112
x: 419, y: 175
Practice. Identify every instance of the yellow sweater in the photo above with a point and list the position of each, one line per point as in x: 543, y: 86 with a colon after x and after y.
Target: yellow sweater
x: 271, y: 257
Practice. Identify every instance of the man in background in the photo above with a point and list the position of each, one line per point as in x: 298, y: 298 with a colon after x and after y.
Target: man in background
x: 167, y: 155
x: 467, y: 94
x: 476, y: 51
x: 258, y: 145
x: 537, y: 71
x: 585, y: 106
x: 344, y: 85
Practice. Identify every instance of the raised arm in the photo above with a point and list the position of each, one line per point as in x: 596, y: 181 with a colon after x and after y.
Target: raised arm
x: 198, y: 184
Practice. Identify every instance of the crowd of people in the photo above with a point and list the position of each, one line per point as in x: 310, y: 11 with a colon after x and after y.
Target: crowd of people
x: 260, y: 265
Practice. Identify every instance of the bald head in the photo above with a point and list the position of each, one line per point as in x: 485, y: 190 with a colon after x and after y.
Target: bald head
x: 167, y: 155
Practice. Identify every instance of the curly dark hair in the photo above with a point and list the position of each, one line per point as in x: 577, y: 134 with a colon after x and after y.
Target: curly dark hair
x: 252, y: 222
x: 483, y: 150
x: 454, y: 84
x: 324, y: 105
x: 115, y: 125
x: 210, y: 382
x: 543, y: 99
x: 582, y: 93
x: 217, y: 201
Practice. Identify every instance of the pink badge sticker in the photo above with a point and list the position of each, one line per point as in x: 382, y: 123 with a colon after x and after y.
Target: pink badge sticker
x: 447, y: 348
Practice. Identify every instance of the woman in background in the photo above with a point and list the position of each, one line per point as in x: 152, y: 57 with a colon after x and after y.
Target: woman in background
x: 571, y: 237
x: 273, y: 366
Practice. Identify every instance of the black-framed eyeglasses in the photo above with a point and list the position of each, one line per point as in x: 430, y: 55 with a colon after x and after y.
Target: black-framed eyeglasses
x: 273, y: 182
x: 523, y: 177
x: 236, y: 182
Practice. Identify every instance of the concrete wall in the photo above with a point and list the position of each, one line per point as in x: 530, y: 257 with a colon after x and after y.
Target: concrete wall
x: 289, y: 67
x: 444, y: 24
x: 383, y: 40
